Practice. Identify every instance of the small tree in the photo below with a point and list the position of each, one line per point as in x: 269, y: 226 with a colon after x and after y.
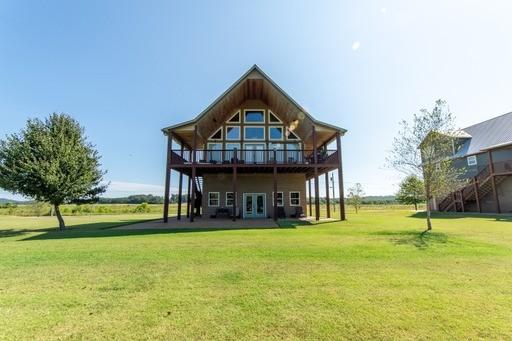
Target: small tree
x: 51, y: 161
x: 424, y: 148
x: 411, y: 192
x: 355, y: 196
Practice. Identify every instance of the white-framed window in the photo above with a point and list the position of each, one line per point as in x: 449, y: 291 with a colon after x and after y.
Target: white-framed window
x: 272, y: 118
x: 290, y: 135
x: 294, y: 152
x: 230, y: 147
x: 472, y: 160
x: 235, y: 118
x: 233, y: 133
x: 229, y: 199
x: 254, y: 116
x: 213, y: 199
x: 294, y: 198
x: 217, y: 135
x: 280, y: 199
x: 275, y: 133
x: 254, y: 133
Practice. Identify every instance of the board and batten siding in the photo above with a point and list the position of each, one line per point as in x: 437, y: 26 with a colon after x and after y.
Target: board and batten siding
x: 254, y: 183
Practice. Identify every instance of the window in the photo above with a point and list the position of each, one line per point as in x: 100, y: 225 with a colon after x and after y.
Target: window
x: 232, y: 133
x: 229, y: 199
x: 294, y: 198
x: 275, y: 133
x: 280, y: 200
x: 217, y: 135
x: 214, y: 152
x: 213, y: 199
x: 235, y: 118
x: 291, y: 135
x: 294, y: 152
x: 279, y: 148
x: 254, y: 116
x: 230, y: 147
x: 273, y: 118
x: 472, y: 160
x: 254, y: 133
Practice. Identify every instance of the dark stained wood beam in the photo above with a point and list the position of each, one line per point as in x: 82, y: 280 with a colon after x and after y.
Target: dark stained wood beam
x: 310, y: 199
x: 327, y: 199
x: 193, y: 194
x: 493, y: 183
x: 274, y: 177
x: 235, y: 183
x: 477, y: 194
x: 167, y: 178
x: 180, y: 187
x: 317, y: 187
x: 340, y: 177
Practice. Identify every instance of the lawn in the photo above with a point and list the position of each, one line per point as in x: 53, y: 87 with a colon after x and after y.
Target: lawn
x: 373, y: 276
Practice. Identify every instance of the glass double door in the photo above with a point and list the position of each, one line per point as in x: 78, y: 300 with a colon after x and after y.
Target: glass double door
x: 254, y: 205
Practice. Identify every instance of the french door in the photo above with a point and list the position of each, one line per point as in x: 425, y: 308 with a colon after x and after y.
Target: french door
x: 254, y: 205
x: 254, y: 152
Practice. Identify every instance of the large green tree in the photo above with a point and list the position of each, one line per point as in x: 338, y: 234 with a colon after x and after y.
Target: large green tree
x: 411, y: 192
x: 51, y: 161
x: 424, y: 148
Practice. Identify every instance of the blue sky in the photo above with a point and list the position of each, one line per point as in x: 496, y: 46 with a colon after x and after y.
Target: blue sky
x: 125, y: 69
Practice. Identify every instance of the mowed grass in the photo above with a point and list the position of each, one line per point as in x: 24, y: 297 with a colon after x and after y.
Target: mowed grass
x: 373, y: 276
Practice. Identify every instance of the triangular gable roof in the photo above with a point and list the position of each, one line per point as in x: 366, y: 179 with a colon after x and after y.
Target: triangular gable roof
x: 255, y: 73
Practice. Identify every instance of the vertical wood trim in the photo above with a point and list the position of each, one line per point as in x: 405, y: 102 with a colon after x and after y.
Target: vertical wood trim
x: 327, y: 199
x: 477, y: 194
x: 188, y: 194
x: 180, y: 186
x: 340, y: 177
x: 167, y: 178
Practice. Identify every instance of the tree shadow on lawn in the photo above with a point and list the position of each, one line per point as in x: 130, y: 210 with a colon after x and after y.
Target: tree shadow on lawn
x: 460, y: 215
x: 421, y: 240
x: 99, y: 230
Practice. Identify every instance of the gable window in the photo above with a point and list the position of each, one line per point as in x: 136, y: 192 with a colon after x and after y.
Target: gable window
x: 254, y: 133
x: 294, y: 198
x: 232, y: 133
x: 229, y: 199
x: 472, y: 160
x: 275, y: 133
x: 217, y: 135
x: 213, y: 199
x: 280, y: 201
x: 235, y: 118
x: 291, y: 135
x: 254, y: 116
x: 273, y: 118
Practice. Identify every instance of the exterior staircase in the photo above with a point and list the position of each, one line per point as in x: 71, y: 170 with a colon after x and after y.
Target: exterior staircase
x: 472, y: 193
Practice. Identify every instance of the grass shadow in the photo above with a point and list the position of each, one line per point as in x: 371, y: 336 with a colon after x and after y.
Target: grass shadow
x: 420, y: 240
x: 293, y: 223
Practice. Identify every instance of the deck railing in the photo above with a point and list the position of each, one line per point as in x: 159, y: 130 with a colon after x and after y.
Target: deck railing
x: 255, y: 156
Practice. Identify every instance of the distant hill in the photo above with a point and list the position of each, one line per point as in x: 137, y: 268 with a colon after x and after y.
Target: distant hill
x: 134, y: 199
x: 4, y: 201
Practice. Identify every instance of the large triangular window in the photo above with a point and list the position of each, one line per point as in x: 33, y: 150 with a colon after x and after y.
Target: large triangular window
x: 235, y: 118
x: 217, y: 135
x: 273, y: 118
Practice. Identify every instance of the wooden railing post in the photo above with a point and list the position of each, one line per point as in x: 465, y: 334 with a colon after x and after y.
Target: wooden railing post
x: 180, y: 186
x: 193, y: 194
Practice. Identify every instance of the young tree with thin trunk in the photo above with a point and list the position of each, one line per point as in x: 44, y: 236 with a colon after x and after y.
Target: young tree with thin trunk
x: 51, y: 161
x: 411, y: 192
x: 355, y: 196
x: 424, y: 149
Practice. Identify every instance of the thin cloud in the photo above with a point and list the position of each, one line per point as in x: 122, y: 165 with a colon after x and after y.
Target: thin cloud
x: 127, y: 188
x: 356, y: 45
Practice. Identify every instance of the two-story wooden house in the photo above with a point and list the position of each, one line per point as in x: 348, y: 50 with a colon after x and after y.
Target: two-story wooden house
x: 484, y: 152
x: 251, y: 153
